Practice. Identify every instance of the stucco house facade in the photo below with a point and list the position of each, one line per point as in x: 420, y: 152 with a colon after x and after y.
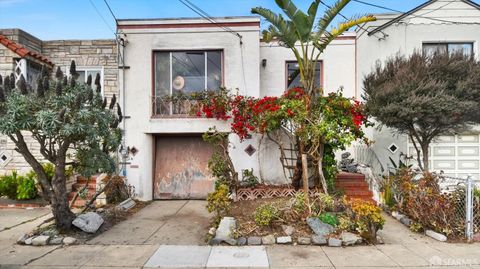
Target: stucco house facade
x: 163, y: 154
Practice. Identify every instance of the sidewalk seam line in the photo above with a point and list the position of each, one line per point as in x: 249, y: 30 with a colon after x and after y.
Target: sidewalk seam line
x: 161, y: 226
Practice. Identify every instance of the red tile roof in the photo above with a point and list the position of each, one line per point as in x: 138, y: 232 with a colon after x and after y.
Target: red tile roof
x: 22, y: 51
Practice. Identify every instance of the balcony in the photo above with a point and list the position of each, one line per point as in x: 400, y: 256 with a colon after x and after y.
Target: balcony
x: 179, y: 106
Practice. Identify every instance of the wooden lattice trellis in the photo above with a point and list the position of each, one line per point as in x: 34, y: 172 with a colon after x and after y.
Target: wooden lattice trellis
x: 249, y: 194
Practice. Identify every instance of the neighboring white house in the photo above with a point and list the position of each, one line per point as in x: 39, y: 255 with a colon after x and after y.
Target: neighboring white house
x: 167, y: 157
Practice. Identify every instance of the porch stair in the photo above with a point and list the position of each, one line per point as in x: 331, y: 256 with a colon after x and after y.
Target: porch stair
x: 354, y: 186
x: 78, y: 185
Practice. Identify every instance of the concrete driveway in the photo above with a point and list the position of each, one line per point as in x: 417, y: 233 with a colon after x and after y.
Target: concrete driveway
x: 161, y: 222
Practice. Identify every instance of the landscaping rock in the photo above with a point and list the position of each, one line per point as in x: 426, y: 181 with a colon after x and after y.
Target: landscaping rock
x: 41, y: 240
x: 254, y: 240
x: 21, y: 239
x: 56, y: 241
x: 395, y: 214
x: 268, y: 240
x: 399, y: 216
x: 288, y: 230
x: 380, y: 240
x: 89, y: 222
x: 69, y: 240
x: 28, y: 241
x: 225, y: 230
x: 50, y: 232
x: 127, y: 204
x: 304, y: 240
x: 350, y: 239
x: 214, y: 242
x: 242, y: 241
x: 319, y: 240
x: 100, y: 210
x: 318, y: 227
x: 436, y: 236
x: 284, y: 240
x: 334, y: 242
x: 212, y: 231
x: 406, y: 221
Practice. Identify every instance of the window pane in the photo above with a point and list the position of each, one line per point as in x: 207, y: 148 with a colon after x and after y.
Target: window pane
x: 162, y: 73
x: 214, y: 70
x: 93, y: 73
x: 293, y: 72
x: 430, y: 49
x: 81, y: 77
x: 460, y: 48
x: 188, y: 72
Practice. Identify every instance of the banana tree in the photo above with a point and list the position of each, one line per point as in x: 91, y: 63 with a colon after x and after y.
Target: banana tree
x: 307, y: 40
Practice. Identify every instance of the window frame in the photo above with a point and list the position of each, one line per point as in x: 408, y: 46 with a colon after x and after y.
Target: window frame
x: 153, y: 76
x: 85, y: 68
x: 447, y: 43
x: 321, y: 78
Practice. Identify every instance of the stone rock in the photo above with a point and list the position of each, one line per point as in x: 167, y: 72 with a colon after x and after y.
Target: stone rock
x: 56, y: 240
x: 212, y: 231
x: 436, y: 236
x: 127, y: 204
x: 242, y: 241
x: 284, y: 240
x: 395, y: 214
x: 254, y: 240
x: 214, y: 242
x: 21, y: 239
x: 28, y: 241
x: 89, y: 222
x: 225, y: 230
x: 320, y: 228
x: 380, y: 240
x: 319, y: 240
x: 350, y: 239
x: 406, y: 221
x: 399, y: 216
x: 100, y: 210
x: 40, y: 240
x: 334, y: 242
x: 69, y: 240
x: 268, y: 240
x: 304, y: 240
x: 50, y: 232
x: 288, y: 230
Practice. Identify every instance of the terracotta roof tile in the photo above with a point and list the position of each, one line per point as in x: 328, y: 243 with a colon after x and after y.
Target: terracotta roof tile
x: 22, y: 51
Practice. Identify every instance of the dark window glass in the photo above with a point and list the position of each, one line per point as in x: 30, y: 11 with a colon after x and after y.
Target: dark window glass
x: 293, y: 75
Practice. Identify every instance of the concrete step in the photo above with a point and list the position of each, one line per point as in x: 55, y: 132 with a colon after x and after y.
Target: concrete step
x: 79, y: 186
x: 351, y: 183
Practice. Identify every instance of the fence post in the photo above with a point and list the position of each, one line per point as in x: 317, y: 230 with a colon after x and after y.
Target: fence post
x: 469, y: 208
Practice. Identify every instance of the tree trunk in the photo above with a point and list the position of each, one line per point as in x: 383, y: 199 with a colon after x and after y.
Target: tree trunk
x: 425, y: 153
x: 323, y: 181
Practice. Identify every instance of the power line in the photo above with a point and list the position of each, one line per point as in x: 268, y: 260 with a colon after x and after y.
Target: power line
x: 111, y: 11
x: 361, y: 27
x: 205, y: 15
x: 101, y: 16
x: 417, y: 16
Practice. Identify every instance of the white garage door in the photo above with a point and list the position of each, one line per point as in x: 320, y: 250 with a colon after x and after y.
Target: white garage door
x: 455, y: 155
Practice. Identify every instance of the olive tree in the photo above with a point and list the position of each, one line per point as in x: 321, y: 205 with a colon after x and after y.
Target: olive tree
x: 72, y: 125
x: 425, y: 95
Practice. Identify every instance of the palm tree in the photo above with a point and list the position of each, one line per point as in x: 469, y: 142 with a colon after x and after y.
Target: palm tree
x: 308, y: 41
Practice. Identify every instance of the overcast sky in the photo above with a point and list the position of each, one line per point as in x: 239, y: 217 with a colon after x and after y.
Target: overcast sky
x: 78, y: 19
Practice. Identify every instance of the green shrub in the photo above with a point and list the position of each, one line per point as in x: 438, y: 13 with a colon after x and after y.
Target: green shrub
x: 8, y: 185
x: 248, y: 178
x: 300, y: 204
x: 219, y: 202
x: 49, y: 169
x: 266, y: 214
x: 26, y: 188
x: 329, y: 218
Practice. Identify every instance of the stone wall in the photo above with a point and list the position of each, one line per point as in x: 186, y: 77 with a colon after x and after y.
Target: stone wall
x: 86, y: 53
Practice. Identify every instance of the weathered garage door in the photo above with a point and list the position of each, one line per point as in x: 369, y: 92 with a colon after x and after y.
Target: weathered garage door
x: 456, y: 155
x: 181, y: 170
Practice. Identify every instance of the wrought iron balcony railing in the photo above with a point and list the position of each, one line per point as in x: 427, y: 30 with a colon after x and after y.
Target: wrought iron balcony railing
x: 180, y: 106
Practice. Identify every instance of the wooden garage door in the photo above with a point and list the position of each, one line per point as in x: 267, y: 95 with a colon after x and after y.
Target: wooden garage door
x: 455, y: 155
x: 181, y: 168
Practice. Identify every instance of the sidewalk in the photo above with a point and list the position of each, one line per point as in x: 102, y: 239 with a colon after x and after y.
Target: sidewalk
x: 148, y: 240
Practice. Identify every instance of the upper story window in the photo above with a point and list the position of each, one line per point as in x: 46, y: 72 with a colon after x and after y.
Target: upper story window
x: 293, y: 75
x: 448, y: 47
x: 178, y: 74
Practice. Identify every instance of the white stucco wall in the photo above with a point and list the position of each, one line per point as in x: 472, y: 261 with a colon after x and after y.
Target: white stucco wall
x: 241, y: 71
x: 405, y: 37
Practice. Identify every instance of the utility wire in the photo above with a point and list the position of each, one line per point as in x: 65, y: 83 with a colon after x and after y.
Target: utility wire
x: 101, y: 16
x: 111, y: 11
x: 205, y: 15
x: 361, y: 27
x: 416, y: 16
